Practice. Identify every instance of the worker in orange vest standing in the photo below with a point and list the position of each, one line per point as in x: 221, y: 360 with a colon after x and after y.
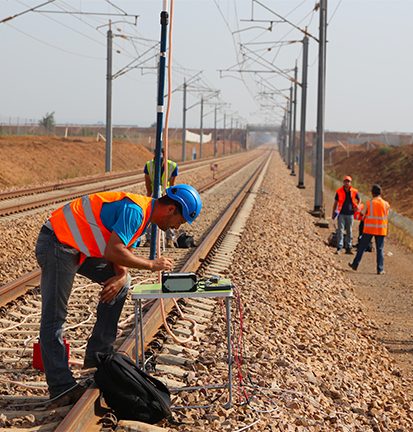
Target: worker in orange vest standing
x: 93, y: 236
x: 375, y: 224
x: 346, y: 203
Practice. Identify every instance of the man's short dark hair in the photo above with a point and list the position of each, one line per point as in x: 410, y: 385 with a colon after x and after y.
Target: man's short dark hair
x: 376, y: 190
x: 165, y: 200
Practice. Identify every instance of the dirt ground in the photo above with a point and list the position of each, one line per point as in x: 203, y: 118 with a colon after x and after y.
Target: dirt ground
x: 388, y: 298
x: 30, y: 160
x: 391, y: 167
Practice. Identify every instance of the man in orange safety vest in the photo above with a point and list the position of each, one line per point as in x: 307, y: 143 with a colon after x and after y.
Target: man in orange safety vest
x: 375, y: 225
x: 346, y: 203
x: 93, y: 236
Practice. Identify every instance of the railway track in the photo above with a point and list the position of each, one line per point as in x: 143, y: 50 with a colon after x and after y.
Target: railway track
x: 82, y: 416
x: 23, y: 200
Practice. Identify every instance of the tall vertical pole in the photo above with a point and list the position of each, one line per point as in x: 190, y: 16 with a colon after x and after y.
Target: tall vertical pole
x: 303, y: 113
x: 184, y: 124
x: 108, y: 154
x: 294, y: 121
x: 319, y: 176
x: 159, y: 119
x: 290, y: 128
x: 201, y: 138
x: 223, y: 134
x: 232, y: 134
x: 215, y: 131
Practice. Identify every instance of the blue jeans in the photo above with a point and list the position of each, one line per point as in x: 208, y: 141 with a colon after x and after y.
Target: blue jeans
x: 345, y: 223
x: 364, y: 242
x: 59, y: 264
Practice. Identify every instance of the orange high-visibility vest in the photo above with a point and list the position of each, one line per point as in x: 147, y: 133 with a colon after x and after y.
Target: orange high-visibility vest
x: 375, y: 221
x: 342, y: 197
x: 358, y: 213
x: 78, y: 223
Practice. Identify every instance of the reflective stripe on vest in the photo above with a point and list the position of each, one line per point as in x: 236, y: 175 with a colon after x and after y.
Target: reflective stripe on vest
x: 342, y: 197
x: 375, y: 221
x: 78, y: 223
x: 150, y: 165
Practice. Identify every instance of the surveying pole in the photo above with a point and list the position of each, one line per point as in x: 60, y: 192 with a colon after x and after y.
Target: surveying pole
x: 108, y: 154
x: 164, y: 17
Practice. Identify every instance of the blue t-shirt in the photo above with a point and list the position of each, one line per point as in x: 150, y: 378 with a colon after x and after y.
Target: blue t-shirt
x: 124, y: 217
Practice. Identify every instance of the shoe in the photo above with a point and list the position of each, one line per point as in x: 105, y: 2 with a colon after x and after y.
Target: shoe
x: 352, y: 266
x: 349, y: 252
x: 381, y: 272
x: 170, y: 243
x: 338, y: 251
x: 67, y: 398
x: 147, y: 244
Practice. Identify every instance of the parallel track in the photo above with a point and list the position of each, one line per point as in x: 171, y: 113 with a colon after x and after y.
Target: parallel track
x: 82, y: 416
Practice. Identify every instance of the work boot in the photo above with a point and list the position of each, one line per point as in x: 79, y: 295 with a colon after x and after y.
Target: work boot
x: 349, y: 251
x: 69, y: 397
x: 338, y: 251
x: 381, y: 272
x: 352, y: 266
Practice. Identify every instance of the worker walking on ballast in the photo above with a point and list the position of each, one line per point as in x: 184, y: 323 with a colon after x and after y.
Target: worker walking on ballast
x: 93, y: 236
x: 375, y: 225
x: 171, y: 174
x: 346, y: 203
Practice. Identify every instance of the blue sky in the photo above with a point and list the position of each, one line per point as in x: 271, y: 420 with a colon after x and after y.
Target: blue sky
x: 57, y: 62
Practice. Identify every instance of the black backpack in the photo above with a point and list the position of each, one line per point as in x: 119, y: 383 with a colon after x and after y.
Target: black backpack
x: 184, y: 241
x: 130, y: 392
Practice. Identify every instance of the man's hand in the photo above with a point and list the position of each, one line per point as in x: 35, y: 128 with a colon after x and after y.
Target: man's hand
x: 162, y: 263
x: 111, y: 287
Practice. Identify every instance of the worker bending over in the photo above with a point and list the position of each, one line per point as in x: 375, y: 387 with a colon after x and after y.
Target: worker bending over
x: 93, y: 236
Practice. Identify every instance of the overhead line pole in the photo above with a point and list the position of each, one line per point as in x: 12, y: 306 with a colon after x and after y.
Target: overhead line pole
x: 319, y: 175
x: 294, y: 121
x: 184, y: 122
x: 303, y: 114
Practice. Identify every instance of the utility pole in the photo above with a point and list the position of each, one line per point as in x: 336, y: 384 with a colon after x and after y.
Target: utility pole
x: 184, y: 124
x: 223, y: 134
x: 201, y: 138
x: 215, y: 131
x: 232, y: 133
x: 319, y: 175
x: 294, y: 121
x: 290, y: 128
x: 303, y: 113
x: 108, y: 154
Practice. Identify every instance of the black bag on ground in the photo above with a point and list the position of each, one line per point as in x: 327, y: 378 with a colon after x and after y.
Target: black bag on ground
x: 332, y: 239
x: 130, y: 392
x: 184, y: 241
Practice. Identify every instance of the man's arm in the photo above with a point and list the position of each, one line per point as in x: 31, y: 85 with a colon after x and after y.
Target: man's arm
x: 117, y: 253
x: 172, y: 181
x: 148, y: 185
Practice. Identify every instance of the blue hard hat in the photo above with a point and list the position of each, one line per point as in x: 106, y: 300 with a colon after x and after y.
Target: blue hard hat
x: 189, y: 199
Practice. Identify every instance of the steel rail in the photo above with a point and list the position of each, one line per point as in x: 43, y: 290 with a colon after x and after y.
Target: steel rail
x: 83, y: 415
x: 12, y: 290
x: 65, y: 196
x: 92, y: 179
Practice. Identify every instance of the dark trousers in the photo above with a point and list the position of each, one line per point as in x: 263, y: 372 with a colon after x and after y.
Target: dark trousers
x: 59, y: 264
x: 363, y: 244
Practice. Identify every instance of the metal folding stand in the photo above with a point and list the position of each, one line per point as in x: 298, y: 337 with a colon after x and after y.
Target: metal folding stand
x: 154, y: 291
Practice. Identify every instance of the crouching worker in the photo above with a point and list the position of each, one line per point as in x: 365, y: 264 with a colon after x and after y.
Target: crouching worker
x: 93, y: 236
